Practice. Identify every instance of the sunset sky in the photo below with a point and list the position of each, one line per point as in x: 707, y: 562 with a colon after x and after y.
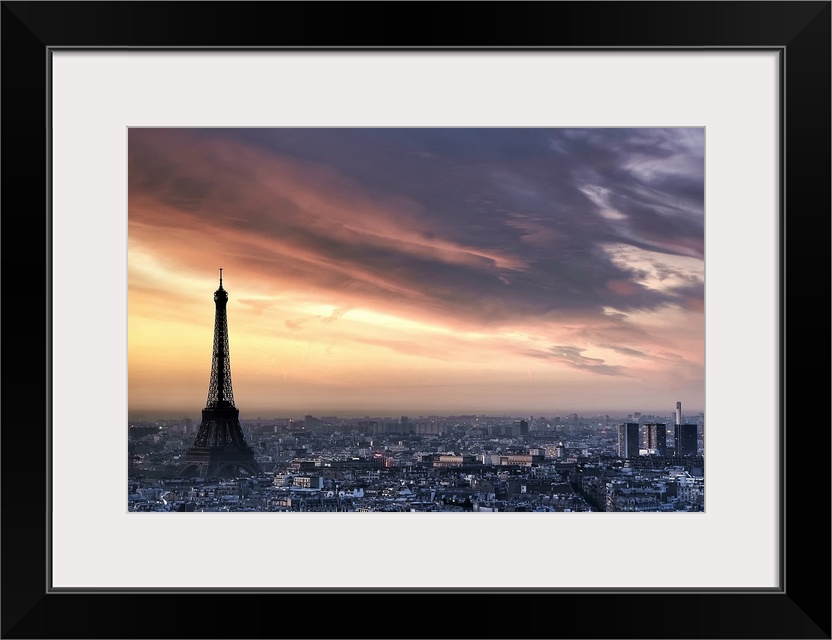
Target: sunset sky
x: 418, y: 271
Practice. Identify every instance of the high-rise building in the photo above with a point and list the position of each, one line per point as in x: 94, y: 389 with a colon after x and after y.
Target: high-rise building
x: 220, y: 449
x: 654, y: 436
x: 520, y: 428
x: 628, y: 440
x: 685, y: 440
x: 678, y: 413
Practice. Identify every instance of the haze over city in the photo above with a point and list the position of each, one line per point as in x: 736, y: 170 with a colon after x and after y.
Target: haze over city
x: 418, y: 271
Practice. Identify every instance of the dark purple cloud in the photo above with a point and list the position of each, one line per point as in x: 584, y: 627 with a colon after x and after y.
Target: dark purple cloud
x: 536, y: 211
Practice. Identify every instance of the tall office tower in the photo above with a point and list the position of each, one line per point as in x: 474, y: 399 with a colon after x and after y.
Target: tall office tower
x: 628, y: 441
x: 654, y: 436
x: 220, y: 449
x: 678, y: 413
x: 685, y: 440
x: 520, y: 428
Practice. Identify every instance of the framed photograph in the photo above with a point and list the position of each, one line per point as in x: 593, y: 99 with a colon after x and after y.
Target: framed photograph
x: 419, y: 161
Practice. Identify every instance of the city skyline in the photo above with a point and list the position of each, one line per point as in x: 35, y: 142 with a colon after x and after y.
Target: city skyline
x: 423, y: 271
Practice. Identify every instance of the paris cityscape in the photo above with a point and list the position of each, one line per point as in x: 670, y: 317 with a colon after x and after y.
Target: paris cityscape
x: 421, y: 320
x: 430, y: 463
x: 435, y: 463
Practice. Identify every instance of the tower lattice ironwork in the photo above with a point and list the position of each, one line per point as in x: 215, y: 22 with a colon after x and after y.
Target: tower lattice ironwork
x: 220, y: 449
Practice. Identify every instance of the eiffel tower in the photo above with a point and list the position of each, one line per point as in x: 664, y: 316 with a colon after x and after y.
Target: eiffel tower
x: 220, y: 449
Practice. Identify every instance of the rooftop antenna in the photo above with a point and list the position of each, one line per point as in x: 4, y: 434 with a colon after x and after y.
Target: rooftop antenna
x: 220, y: 277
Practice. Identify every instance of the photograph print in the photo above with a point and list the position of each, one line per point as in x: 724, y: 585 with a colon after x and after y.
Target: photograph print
x: 416, y: 320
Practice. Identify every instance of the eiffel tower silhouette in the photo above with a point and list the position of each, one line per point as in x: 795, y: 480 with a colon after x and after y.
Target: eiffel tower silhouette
x: 220, y: 449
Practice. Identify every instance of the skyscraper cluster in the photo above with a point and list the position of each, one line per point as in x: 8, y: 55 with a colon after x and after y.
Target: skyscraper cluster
x: 634, y: 438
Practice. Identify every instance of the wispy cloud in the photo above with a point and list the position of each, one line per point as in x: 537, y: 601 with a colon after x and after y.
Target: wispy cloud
x: 573, y: 235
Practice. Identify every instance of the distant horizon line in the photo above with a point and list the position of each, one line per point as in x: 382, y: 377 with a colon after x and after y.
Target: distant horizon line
x: 262, y: 415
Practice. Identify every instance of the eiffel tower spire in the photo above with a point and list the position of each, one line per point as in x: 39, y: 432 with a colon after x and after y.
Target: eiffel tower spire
x: 220, y: 448
x: 220, y: 394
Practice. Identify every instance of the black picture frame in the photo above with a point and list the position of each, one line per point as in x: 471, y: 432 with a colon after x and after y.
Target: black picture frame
x: 799, y: 31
